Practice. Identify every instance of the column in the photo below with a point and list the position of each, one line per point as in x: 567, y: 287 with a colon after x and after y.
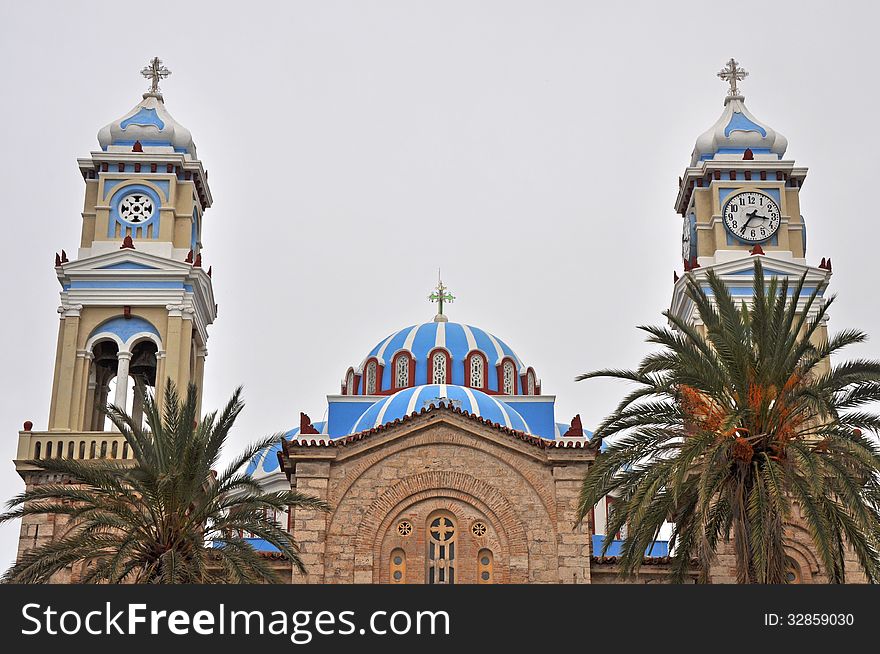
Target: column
x: 123, y: 359
x: 137, y: 410
x: 161, y: 380
x: 63, y: 395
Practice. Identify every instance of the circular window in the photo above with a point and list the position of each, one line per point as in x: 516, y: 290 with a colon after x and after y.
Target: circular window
x: 136, y: 208
x: 404, y: 528
x: 485, y: 575
x: 442, y: 529
x: 478, y: 529
x: 484, y: 560
x: 398, y: 560
x: 397, y: 575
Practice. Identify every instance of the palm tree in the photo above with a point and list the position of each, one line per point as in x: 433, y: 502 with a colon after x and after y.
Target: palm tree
x: 739, y: 427
x: 169, y: 518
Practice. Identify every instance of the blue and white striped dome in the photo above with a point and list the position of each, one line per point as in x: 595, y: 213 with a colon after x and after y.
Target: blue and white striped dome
x: 411, y: 400
x: 457, y: 339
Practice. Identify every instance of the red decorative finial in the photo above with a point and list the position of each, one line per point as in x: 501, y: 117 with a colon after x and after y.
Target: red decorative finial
x: 127, y: 244
x: 687, y: 265
x: 748, y: 155
x: 576, y: 428
x: 189, y: 257
x: 28, y: 425
x: 64, y: 258
x: 757, y: 249
x: 305, y: 424
x: 137, y: 147
x: 210, y: 269
x: 829, y: 264
x: 823, y: 265
x: 674, y: 276
x: 198, y: 262
x: 58, y: 260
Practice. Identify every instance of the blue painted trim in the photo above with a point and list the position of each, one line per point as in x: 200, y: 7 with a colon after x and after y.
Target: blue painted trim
x: 145, y: 117
x: 124, y: 328
x: 120, y: 283
x: 739, y: 122
x: 127, y: 265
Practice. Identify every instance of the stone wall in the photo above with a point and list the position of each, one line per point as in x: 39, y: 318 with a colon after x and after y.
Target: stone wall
x: 523, y: 496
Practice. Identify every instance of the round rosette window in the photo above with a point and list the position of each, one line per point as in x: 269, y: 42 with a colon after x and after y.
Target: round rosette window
x: 136, y: 208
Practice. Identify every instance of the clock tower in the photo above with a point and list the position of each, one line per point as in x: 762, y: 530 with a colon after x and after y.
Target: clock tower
x: 136, y: 301
x: 740, y: 199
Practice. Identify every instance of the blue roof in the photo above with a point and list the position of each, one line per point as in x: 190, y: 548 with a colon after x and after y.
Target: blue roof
x: 410, y: 400
x: 267, y: 460
x: 456, y: 338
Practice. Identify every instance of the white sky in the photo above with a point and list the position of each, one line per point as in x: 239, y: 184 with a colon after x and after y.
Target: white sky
x: 531, y: 149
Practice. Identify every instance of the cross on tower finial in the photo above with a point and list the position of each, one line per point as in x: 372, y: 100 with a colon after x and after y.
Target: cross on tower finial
x: 440, y: 295
x: 732, y: 73
x: 155, y: 71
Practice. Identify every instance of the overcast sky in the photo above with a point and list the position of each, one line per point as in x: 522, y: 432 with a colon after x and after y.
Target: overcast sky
x: 531, y: 149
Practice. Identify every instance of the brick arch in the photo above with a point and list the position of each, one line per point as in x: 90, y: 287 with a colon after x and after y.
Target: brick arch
x: 464, y: 438
x: 798, y: 544
x: 455, y: 485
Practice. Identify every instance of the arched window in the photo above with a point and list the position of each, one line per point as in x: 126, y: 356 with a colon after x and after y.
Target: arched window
x: 397, y: 567
x: 530, y: 379
x: 49, y: 450
x: 485, y: 565
x: 477, y: 372
x: 508, y: 376
x: 441, y: 550
x: 370, y: 383
x: 792, y: 571
x: 349, y: 383
x: 438, y: 368
x: 401, y: 371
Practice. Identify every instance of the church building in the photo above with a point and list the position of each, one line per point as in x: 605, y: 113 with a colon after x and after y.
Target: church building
x: 442, y: 456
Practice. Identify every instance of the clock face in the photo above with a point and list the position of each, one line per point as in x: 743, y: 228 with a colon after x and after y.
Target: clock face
x: 686, y: 239
x: 751, y: 216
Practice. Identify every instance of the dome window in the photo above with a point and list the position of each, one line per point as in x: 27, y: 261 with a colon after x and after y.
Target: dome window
x: 370, y: 383
x: 508, y: 376
x: 401, y: 371
x: 349, y: 383
x: 439, y: 367
x: 477, y: 371
x: 530, y: 381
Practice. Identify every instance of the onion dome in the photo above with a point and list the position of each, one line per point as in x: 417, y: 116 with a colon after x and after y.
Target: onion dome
x: 737, y: 130
x: 412, y: 400
x: 441, y: 352
x: 148, y: 122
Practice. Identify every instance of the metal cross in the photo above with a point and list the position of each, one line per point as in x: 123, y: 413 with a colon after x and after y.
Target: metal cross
x: 731, y: 73
x: 154, y: 72
x: 441, y: 294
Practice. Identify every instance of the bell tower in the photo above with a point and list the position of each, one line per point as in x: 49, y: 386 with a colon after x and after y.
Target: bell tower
x: 136, y: 301
x: 739, y: 199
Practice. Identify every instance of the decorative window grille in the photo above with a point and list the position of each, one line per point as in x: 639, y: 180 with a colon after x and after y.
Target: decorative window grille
x: 136, y: 208
x: 441, y: 550
x: 508, y: 373
x: 401, y: 368
x: 531, y: 382
x: 370, y: 387
x: 477, y: 372
x: 438, y: 367
x: 349, y: 384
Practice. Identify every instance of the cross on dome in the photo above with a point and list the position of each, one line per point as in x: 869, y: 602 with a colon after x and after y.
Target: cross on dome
x: 440, y: 295
x: 732, y: 73
x: 155, y: 71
